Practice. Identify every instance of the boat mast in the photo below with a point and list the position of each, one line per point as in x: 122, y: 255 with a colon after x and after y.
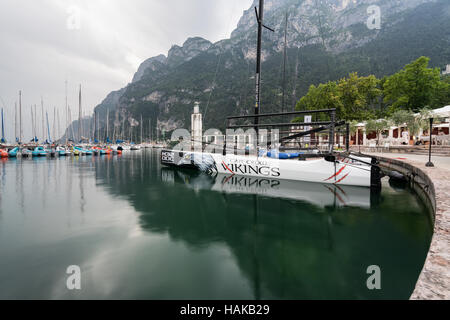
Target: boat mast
x: 80, y: 116
x: 107, y: 125
x: 20, y: 116
x: 71, y: 124
x: 59, y: 127
x: 32, y: 122
x: 42, y: 117
x: 15, y: 121
x: 54, y: 123
x: 3, y: 129
x: 48, y: 130
x: 67, y: 117
x: 260, y: 19
x: 35, y: 124
x: 95, y: 126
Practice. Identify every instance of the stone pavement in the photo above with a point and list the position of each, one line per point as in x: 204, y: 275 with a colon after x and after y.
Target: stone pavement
x: 440, y: 162
x: 434, y: 281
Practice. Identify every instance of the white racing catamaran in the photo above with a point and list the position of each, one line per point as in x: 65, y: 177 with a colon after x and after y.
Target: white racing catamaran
x: 309, y: 165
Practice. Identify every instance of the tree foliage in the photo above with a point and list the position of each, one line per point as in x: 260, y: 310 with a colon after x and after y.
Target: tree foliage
x: 414, y: 87
x: 351, y: 97
x: 409, y: 91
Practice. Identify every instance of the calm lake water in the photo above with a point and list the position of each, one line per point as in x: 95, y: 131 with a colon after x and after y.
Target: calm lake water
x: 140, y: 231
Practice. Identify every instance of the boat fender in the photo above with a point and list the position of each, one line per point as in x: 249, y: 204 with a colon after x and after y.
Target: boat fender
x: 395, y: 175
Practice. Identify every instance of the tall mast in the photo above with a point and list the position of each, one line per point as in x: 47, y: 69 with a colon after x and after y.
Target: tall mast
x: 20, y: 116
x: 42, y: 117
x: 54, y: 123
x: 3, y: 129
x: 107, y: 125
x: 71, y: 124
x: 49, y: 138
x: 35, y: 124
x: 260, y: 19
x: 67, y: 117
x: 59, y: 126
x: 80, y: 116
x: 32, y: 123
x: 15, y: 121
x: 259, y: 16
x: 98, y: 127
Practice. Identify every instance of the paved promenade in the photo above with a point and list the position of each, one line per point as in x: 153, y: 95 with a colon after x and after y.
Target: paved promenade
x: 434, y: 281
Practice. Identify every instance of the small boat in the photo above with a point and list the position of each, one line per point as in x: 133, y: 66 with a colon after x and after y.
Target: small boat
x: 62, y: 152
x: 135, y: 147
x: 84, y: 152
x: 101, y: 151
x: 3, y: 153
x: 76, y: 152
x: 39, y: 152
x: 13, y: 153
x: 25, y: 153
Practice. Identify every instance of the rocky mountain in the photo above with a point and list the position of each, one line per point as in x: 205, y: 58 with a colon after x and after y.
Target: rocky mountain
x: 326, y: 39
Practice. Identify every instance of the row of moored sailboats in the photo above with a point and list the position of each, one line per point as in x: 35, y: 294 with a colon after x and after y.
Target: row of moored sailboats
x: 67, y: 151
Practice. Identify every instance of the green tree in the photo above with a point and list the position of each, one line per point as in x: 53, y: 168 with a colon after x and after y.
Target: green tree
x: 414, y: 87
x: 352, y: 97
x: 419, y: 121
x: 324, y: 96
x: 442, y: 95
x: 414, y: 122
x: 358, y: 95
x: 401, y: 117
x: 378, y: 126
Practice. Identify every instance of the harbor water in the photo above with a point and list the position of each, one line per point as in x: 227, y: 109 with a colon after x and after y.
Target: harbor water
x: 141, y: 231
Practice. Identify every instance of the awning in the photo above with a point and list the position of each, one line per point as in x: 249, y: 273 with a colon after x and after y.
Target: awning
x: 442, y: 112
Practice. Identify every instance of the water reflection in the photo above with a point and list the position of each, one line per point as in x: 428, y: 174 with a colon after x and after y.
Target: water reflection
x: 142, y: 231
x: 321, y: 195
x: 289, y: 239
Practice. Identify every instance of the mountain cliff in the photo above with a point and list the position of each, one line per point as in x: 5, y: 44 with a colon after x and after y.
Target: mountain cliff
x: 326, y: 39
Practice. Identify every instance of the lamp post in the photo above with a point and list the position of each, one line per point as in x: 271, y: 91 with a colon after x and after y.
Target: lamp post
x: 430, y: 164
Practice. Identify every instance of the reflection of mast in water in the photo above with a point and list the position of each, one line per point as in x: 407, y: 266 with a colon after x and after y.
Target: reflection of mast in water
x: 69, y: 190
x: 142, y: 168
x: 2, y: 186
x: 20, y: 186
x: 256, y: 276
x: 82, y: 197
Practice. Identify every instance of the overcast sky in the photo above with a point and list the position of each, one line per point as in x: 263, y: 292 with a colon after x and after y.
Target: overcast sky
x: 96, y: 43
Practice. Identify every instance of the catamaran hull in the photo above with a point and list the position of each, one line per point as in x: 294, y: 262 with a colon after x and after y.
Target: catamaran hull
x: 318, y: 171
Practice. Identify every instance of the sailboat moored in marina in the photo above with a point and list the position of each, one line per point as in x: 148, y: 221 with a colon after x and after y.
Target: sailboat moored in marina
x: 267, y: 161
